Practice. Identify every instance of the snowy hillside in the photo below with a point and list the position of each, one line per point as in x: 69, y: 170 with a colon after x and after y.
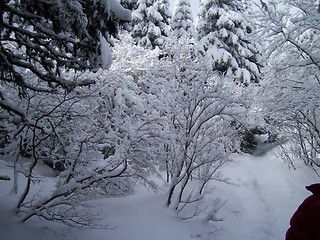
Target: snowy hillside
x: 260, y: 199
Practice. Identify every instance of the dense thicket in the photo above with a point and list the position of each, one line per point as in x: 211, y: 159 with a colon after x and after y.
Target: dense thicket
x: 170, y: 104
x: 290, y: 29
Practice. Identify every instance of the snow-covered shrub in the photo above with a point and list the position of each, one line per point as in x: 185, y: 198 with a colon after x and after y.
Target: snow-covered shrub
x: 203, y: 105
x: 101, y: 138
x: 290, y: 32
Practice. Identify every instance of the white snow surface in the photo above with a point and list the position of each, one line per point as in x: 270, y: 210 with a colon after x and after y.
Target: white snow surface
x: 260, y: 200
x: 106, y: 55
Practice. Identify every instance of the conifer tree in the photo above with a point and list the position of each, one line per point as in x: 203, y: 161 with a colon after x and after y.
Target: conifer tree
x: 223, y: 34
x: 182, y: 24
x: 41, y: 39
x: 151, y: 23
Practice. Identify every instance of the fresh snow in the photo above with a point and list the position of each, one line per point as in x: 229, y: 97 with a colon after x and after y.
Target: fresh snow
x: 259, y: 200
x: 106, y: 55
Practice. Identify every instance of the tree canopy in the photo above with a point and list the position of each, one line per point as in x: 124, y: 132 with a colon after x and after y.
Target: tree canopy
x: 41, y: 39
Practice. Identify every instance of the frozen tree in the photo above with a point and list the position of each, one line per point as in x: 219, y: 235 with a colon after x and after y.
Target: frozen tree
x: 201, y: 109
x: 223, y: 34
x: 151, y: 23
x: 195, y: 110
x: 182, y: 21
x: 40, y: 42
x: 40, y: 39
x: 291, y: 34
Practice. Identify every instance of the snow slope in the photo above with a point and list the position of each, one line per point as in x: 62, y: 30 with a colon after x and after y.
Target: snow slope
x: 265, y: 195
x: 260, y: 199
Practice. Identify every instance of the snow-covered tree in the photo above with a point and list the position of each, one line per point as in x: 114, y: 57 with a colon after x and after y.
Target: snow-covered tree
x: 151, y: 23
x: 291, y: 34
x: 194, y: 110
x: 223, y: 34
x: 98, y: 141
x: 40, y: 39
x: 203, y: 106
x: 182, y: 24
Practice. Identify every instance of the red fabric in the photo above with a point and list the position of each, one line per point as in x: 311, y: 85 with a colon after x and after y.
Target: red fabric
x: 305, y: 222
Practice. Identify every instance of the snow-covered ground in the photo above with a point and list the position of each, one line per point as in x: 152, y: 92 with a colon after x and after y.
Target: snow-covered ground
x: 260, y: 199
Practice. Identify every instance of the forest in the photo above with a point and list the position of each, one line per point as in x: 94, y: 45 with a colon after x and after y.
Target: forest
x: 114, y: 95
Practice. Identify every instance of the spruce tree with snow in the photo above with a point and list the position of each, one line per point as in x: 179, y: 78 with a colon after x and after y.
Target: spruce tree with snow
x: 223, y: 34
x: 151, y: 23
x: 182, y: 24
